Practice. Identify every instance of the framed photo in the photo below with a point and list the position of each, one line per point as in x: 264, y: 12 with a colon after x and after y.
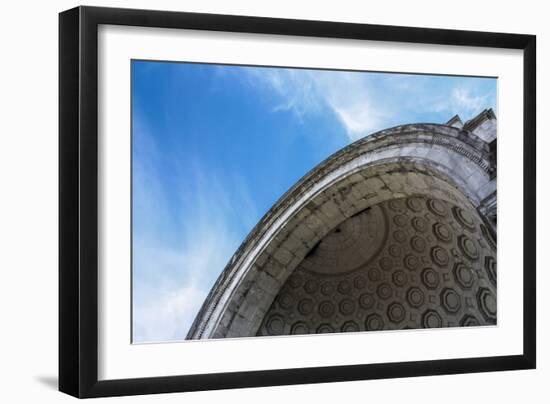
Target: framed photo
x: 251, y: 201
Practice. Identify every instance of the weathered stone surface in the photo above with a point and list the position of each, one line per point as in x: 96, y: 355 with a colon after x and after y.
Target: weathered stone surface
x: 394, y: 231
x: 403, y: 285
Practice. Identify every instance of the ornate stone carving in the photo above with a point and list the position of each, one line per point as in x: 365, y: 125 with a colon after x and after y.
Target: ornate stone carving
x: 430, y: 278
x: 468, y: 247
x: 299, y: 328
x: 469, y: 321
x: 415, y: 204
x: 431, y: 319
x: 384, y: 291
x: 487, y: 303
x: 491, y: 268
x: 396, y: 312
x: 443, y: 232
x: 440, y: 256
x: 411, y: 262
x: 305, y: 306
x: 464, y: 218
x: 425, y: 274
x: 438, y: 207
x: 347, y: 307
x: 464, y: 275
x: 367, y: 301
x: 418, y: 244
x: 350, y: 244
x: 326, y: 309
x: 400, y: 236
x: 275, y: 325
x: 374, y: 322
x: 416, y: 173
x: 450, y: 300
x: 350, y: 326
x: 399, y: 278
x: 415, y: 297
x: 325, y: 328
x: 420, y: 224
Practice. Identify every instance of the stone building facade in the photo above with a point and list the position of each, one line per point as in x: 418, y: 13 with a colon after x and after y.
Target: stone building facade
x: 395, y: 231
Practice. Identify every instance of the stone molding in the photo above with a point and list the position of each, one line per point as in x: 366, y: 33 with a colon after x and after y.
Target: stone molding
x: 418, y: 159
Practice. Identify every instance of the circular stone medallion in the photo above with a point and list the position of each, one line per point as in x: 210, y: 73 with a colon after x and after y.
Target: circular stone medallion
x: 420, y: 224
x: 440, y: 256
x: 468, y: 247
x: 443, y: 232
x: 437, y: 207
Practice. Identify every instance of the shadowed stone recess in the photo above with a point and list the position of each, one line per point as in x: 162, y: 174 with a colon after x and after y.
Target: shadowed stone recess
x: 397, y: 230
x: 437, y: 272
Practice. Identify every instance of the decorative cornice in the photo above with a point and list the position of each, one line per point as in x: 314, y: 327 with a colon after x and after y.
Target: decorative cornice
x: 485, y: 115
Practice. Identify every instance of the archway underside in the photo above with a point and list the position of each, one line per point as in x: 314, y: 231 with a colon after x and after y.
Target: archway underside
x: 414, y: 262
x: 267, y: 292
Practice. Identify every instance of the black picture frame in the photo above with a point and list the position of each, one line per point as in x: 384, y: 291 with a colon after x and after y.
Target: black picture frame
x: 78, y: 201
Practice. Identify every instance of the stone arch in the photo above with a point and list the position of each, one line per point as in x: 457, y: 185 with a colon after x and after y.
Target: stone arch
x: 434, y: 162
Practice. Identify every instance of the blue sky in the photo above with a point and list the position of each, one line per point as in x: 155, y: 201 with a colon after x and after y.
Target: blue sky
x: 215, y: 146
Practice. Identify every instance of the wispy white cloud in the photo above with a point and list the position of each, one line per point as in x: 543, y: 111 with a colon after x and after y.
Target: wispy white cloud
x: 182, y: 241
x: 463, y: 99
x: 296, y: 90
x: 365, y: 103
x: 352, y: 98
x: 304, y: 92
x: 172, y: 282
x: 166, y: 313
